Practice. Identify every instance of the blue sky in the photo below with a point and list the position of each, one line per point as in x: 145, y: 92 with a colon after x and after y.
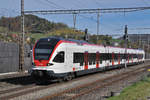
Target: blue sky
x: 112, y: 23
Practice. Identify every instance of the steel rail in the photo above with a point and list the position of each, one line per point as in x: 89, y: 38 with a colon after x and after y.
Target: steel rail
x: 61, y: 95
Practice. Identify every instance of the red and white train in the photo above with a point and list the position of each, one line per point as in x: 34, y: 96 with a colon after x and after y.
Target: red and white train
x: 64, y: 59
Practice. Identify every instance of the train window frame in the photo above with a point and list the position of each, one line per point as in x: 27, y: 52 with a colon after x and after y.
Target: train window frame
x: 58, y: 59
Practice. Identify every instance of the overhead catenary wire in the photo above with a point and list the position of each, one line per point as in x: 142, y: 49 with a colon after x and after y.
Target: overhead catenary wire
x: 45, y: 3
x: 56, y: 5
x: 72, y: 13
x: 86, y: 11
x: 81, y: 3
x: 89, y: 11
x: 97, y: 3
x: 61, y: 7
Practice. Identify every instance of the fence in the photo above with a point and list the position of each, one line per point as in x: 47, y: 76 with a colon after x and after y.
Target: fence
x: 9, y: 57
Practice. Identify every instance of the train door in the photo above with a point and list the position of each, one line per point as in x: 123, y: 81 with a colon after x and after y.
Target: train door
x: 128, y: 58
x: 86, y: 60
x: 119, y: 58
x: 113, y: 58
x: 97, y: 59
x: 69, y: 58
x: 132, y: 57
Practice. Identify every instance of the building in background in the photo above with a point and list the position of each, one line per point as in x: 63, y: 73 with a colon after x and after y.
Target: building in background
x: 139, y: 38
x: 143, y: 40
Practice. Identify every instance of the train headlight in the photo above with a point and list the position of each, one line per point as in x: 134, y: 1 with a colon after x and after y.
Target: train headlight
x: 49, y: 64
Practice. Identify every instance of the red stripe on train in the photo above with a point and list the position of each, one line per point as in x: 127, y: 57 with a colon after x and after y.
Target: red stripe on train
x: 97, y: 59
x: 119, y: 58
x: 86, y: 60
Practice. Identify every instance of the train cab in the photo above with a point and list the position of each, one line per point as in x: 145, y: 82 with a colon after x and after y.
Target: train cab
x: 47, y: 57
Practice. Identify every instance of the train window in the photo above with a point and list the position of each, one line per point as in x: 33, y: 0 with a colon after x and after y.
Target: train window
x: 42, y: 54
x: 44, y: 48
x: 102, y: 56
x: 122, y: 56
x: 90, y: 59
x: 110, y: 55
x: 106, y: 56
x: 81, y: 63
x: 75, y: 58
x: 94, y: 58
x: 101, y: 61
x: 59, y: 58
x: 78, y: 58
x: 140, y: 56
x: 130, y: 56
x: 116, y: 57
x: 81, y: 59
x: 135, y: 56
x: 125, y: 56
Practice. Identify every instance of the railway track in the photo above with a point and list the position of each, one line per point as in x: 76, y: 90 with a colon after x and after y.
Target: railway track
x: 76, y: 92
x: 16, y: 89
x: 9, y: 93
x: 19, y: 91
x: 71, y: 93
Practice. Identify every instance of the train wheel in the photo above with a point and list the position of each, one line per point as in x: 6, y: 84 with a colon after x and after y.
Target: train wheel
x: 69, y: 77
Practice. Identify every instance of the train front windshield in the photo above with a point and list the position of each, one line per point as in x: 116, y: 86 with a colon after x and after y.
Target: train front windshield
x: 44, y: 48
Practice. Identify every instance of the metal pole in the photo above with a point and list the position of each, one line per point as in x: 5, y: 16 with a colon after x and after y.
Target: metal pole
x: 140, y: 40
x: 98, y: 15
x: 126, y: 33
x: 21, y: 42
x: 74, y: 20
x: 148, y: 43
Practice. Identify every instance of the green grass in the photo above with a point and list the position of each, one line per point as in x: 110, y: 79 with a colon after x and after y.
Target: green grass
x: 137, y: 91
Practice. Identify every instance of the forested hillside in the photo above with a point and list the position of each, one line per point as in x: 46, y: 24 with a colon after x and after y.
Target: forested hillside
x: 35, y: 28
x: 33, y: 24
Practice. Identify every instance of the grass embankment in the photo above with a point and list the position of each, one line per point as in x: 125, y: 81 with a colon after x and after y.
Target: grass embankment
x: 137, y: 91
x: 60, y: 32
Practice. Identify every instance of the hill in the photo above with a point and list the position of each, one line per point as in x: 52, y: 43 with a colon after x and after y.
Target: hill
x: 33, y: 24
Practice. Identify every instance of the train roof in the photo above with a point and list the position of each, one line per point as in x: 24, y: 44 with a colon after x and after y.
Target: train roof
x: 79, y: 42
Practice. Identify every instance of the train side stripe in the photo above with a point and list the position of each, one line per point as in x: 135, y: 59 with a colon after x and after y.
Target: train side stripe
x: 55, y: 49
